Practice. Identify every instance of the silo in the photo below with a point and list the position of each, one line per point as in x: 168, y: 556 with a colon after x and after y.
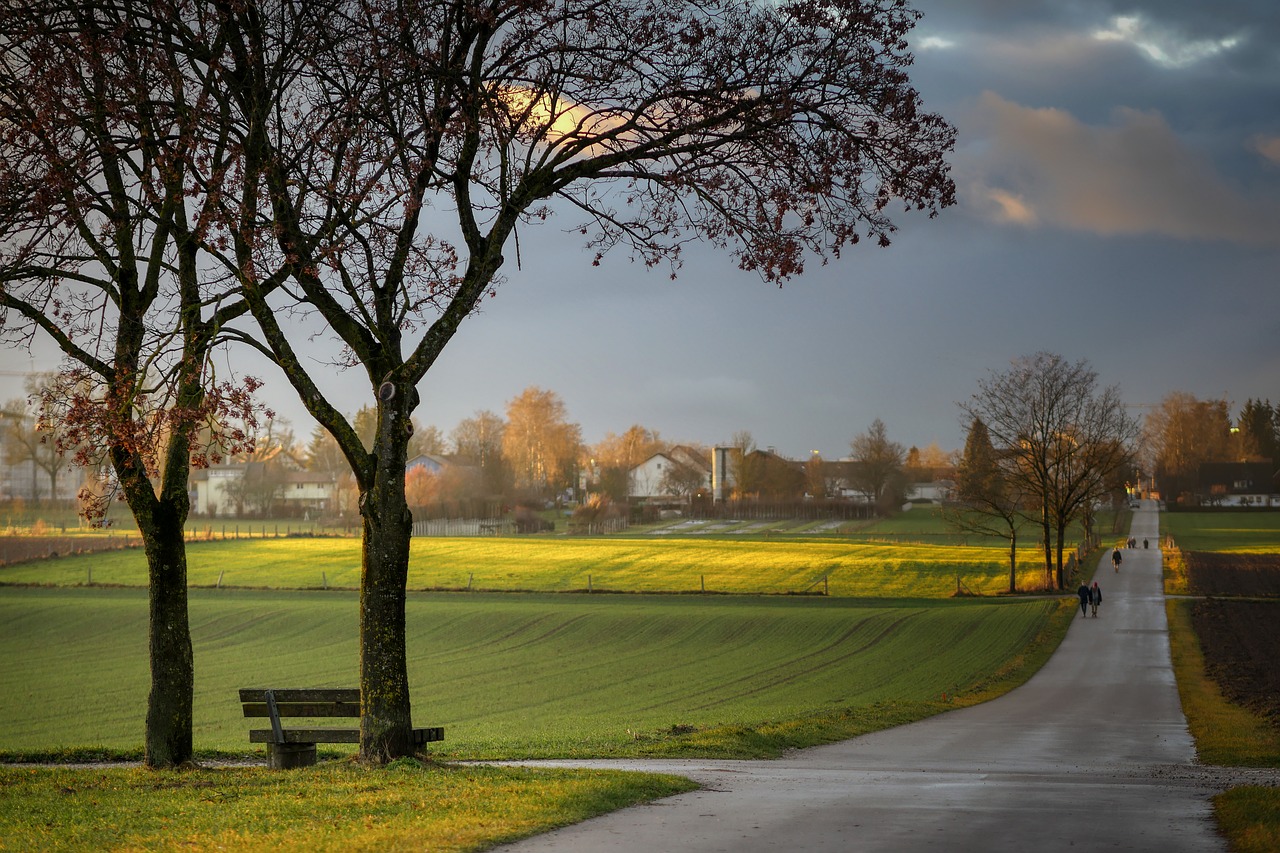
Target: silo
x: 720, y: 473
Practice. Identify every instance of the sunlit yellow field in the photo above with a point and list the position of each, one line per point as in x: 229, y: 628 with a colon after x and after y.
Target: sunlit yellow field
x: 758, y: 566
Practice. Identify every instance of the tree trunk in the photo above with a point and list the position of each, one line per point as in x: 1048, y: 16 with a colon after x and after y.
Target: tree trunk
x: 1061, y: 536
x: 1046, y: 533
x: 1013, y: 560
x: 160, y: 520
x: 385, y: 714
x: 169, y: 704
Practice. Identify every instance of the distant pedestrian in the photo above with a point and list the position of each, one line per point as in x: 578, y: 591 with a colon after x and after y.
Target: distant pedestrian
x: 1116, y: 558
x: 1095, y: 598
x: 1084, y: 594
x: 1144, y: 543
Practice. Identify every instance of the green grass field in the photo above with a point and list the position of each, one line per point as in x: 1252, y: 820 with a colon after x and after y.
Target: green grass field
x: 508, y: 675
x: 529, y: 674
x: 1235, y: 532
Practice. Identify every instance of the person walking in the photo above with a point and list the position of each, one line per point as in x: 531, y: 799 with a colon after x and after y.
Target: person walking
x: 1085, y: 595
x: 1115, y: 558
x: 1095, y: 598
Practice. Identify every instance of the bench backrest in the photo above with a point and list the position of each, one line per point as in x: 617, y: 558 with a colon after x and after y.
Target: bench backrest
x: 311, y: 702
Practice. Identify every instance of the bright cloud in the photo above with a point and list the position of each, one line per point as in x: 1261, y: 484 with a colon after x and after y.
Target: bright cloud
x: 935, y: 43
x: 1162, y: 45
x: 1004, y: 206
x: 1268, y: 147
x: 1132, y: 176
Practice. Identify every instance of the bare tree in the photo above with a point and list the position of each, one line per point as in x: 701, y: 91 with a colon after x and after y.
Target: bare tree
x: 1180, y: 435
x: 1066, y: 437
x: 746, y: 466
x: 30, y: 440
x: 539, y: 442
x: 989, y: 501
x: 479, y: 438
x: 113, y: 157
x: 878, y: 462
x: 815, y: 477
x: 387, y: 152
x: 682, y: 478
x: 615, y: 456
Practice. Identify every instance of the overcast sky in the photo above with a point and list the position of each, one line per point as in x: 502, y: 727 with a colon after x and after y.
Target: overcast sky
x: 1118, y: 168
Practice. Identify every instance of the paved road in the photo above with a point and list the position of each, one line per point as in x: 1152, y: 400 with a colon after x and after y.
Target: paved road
x: 1092, y: 753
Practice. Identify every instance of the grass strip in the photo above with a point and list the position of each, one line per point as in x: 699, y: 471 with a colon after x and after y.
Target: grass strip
x: 336, y: 806
x: 1250, y: 818
x: 1226, y: 734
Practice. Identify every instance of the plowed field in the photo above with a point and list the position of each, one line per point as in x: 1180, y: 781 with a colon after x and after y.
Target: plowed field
x: 1221, y: 573
x: 1240, y: 639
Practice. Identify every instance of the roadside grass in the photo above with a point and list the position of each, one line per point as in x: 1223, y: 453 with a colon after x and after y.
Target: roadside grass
x: 619, y: 564
x: 1225, y: 733
x: 1250, y: 817
x: 1177, y: 580
x: 335, y: 806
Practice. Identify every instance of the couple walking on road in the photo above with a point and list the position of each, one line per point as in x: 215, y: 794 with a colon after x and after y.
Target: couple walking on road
x: 1089, y: 597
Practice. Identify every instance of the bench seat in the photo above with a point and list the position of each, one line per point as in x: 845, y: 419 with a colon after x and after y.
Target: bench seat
x: 296, y: 746
x: 420, y: 736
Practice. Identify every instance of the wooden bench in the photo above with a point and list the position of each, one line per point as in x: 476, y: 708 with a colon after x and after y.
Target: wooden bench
x: 296, y: 747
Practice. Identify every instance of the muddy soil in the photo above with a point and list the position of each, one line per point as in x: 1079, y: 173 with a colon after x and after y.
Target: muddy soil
x: 17, y: 549
x: 1240, y: 638
x: 1234, y: 574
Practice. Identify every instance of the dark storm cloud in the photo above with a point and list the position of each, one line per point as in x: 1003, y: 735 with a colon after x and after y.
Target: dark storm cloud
x: 1118, y: 166
x: 1112, y: 119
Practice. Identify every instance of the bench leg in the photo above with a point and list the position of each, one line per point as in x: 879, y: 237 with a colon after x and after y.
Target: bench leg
x: 286, y: 756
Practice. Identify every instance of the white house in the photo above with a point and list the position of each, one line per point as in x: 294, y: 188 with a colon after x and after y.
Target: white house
x: 647, y: 478
x: 212, y: 489
x: 217, y: 490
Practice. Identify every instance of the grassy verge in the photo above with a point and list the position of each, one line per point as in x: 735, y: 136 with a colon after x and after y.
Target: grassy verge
x: 336, y: 806
x: 1226, y: 734
x: 1250, y: 818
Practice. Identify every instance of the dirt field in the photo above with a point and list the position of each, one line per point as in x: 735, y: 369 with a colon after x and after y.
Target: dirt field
x: 16, y: 549
x: 1241, y: 639
x: 1214, y: 573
